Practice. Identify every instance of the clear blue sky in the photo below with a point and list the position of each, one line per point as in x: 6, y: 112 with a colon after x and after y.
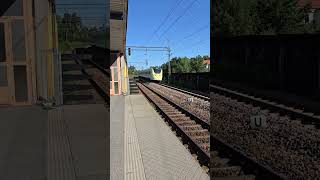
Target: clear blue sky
x: 188, y: 35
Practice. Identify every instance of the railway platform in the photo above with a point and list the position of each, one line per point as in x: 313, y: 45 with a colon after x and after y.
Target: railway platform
x: 151, y: 149
x: 67, y: 142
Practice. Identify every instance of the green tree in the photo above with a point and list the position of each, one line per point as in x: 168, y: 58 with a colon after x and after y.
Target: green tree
x: 183, y: 65
x: 243, y: 17
x: 132, y: 71
x: 197, y: 65
x: 232, y: 17
x: 186, y: 65
x: 73, y: 33
x: 278, y: 16
x: 178, y: 65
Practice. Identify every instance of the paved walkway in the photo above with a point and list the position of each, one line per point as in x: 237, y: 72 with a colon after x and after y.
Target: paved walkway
x: 22, y: 143
x: 117, y: 137
x: 152, y: 151
x: 87, y: 131
x: 66, y: 143
x: 71, y: 142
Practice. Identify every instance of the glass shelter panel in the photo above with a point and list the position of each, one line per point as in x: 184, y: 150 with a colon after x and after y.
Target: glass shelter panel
x: 2, y: 44
x: 3, y: 76
x: 18, y: 41
x: 21, y: 86
x: 15, y: 8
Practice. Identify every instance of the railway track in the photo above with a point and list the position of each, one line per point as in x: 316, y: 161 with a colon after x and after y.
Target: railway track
x: 225, y: 162
x: 196, y: 108
x: 189, y: 130
x: 200, y: 96
x: 286, y: 134
x: 84, y: 82
x: 305, y: 117
x: 98, y: 79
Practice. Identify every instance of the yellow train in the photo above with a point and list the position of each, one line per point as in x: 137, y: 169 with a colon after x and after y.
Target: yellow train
x: 154, y: 75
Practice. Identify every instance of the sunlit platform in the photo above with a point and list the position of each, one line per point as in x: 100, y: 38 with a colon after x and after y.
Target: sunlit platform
x: 151, y: 149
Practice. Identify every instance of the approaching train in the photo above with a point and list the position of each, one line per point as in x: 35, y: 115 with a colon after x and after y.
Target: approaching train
x: 154, y: 75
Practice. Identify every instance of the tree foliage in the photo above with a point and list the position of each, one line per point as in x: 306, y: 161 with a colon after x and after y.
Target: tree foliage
x: 243, y: 17
x: 186, y: 65
x: 178, y: 65
x: 73, y: 32
x: 278, y: 16
x: 132, y: 71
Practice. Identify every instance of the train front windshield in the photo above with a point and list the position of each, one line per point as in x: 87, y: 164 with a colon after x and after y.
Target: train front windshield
x: 157, y: 71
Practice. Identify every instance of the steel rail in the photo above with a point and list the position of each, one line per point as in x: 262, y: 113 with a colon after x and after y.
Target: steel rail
x: 187, y: 92
x: 248, y: 165
x: 204, y: 157
x: 306, y: 118
x: 200, y: 121
x: 102, y: 92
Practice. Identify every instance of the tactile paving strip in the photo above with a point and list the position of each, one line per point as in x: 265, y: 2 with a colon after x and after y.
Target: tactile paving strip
x: 60, y: 165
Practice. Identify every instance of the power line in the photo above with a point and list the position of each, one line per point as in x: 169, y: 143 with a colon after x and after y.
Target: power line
x: 176, y: 20
x: 192, y: 34
x: 165, y: 19
x: 194, y: 45
x: 196, y: 20
x: 197, y: 31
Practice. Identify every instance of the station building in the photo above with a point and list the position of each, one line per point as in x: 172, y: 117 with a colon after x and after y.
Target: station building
x: 28, y: 49
x: 118, y: 65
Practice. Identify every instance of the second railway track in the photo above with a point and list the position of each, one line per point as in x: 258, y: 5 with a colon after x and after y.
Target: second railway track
x: 225, y: 162
x: 305, y: 117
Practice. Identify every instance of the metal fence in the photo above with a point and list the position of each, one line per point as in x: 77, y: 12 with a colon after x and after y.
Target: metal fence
x: 286, y: 62
x: 194, y: 81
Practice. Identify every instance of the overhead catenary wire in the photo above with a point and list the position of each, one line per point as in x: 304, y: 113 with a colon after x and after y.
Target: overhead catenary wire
x: 160, y: 30
x: 197, y: 44
x: 165, y: 19
x: 202, y: 28
x: 197, y: 31
x: 178, y: 18
x: 196, y: 20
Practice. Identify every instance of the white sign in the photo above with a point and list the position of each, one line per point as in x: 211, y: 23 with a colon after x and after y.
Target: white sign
x: 259, y: 121
x: 190, y: 99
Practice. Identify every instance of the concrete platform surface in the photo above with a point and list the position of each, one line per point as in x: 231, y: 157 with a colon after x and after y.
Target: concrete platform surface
x: 66, y: 143
x: 23, y: 143
x: 152, y: 151
x: 116, y: 137
x: 88, y: 133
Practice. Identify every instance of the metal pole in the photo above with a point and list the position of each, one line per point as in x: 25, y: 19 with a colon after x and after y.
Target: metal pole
x: 146, y: 56
x: 169, y: 65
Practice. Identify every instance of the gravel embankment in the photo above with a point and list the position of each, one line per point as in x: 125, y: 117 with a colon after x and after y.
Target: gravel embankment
x: 286, y: 146
x: 197, y: 106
